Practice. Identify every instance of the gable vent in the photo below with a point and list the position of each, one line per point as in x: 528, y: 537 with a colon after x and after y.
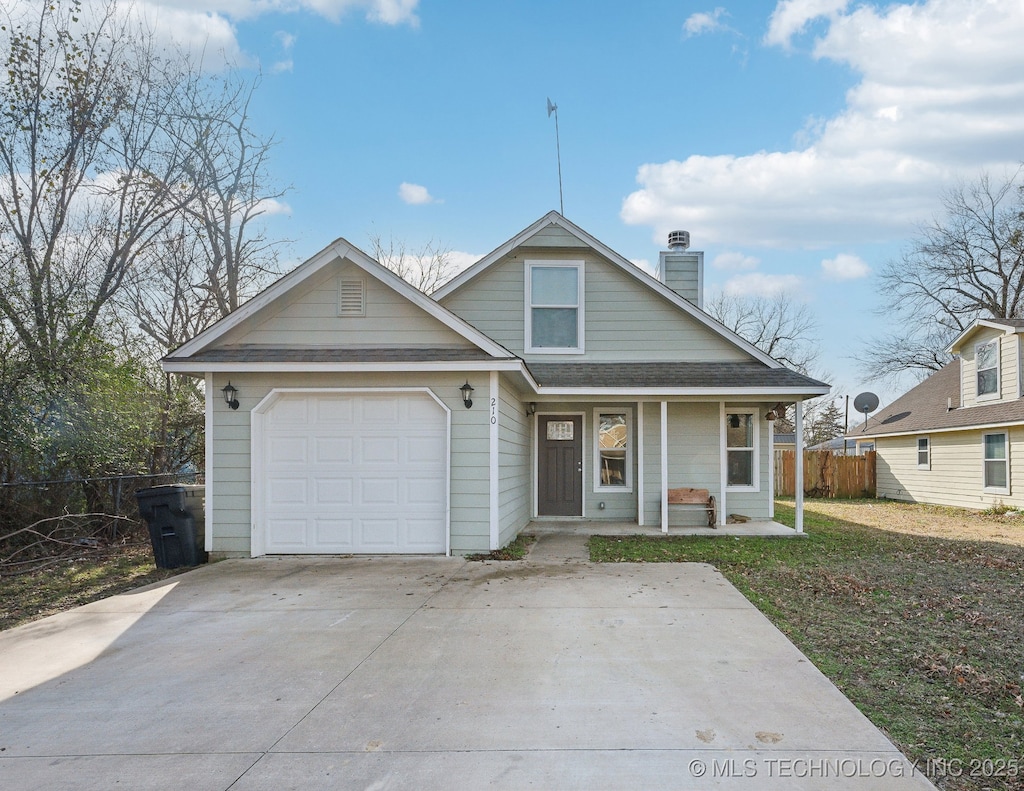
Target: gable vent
x: 351, y: 298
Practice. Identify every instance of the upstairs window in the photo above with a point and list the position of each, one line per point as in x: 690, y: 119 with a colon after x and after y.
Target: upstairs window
x: 986, y: 360
x: 554, y: 307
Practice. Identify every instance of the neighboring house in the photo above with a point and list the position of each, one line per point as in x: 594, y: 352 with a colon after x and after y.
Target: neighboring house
x: 785, y: 440
x: 551, y: 380
x: 958, y: 437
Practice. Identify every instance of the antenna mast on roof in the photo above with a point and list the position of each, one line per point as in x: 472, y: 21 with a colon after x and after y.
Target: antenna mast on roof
x: 553, y: 108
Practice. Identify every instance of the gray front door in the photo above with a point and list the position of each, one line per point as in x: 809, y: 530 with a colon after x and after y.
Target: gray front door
x: 560, y: 466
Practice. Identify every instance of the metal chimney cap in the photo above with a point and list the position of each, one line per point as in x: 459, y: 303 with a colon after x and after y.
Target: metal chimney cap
x: 678, y: 240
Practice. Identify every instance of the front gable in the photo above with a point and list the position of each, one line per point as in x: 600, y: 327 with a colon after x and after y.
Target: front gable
x: 622, y: 313
x: 342, y: 305
x: 340, y: 299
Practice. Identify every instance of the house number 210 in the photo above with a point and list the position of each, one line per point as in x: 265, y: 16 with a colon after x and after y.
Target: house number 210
x: 494, y: 411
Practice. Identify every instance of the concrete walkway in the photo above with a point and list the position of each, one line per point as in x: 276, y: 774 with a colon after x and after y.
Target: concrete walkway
x: 380, y: 673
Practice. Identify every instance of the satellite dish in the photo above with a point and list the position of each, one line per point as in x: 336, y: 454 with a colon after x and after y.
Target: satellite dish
x: 866, y: 402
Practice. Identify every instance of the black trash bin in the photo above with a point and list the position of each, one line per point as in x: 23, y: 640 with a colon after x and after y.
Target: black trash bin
x: 177, y: 523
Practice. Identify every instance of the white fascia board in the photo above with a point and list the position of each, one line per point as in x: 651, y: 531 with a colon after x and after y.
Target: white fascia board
x: 190, y: 367
x: 340, y: 249
x: 658, y: 392
x: 995, y: 324
x: 554, y: 218
x: 921, y: 432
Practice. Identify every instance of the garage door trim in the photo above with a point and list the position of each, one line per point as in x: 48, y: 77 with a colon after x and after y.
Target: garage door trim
x: 258, y: 464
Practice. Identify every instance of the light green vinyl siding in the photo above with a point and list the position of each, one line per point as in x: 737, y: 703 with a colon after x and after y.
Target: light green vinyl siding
x: 681, y: 273
x: 624, y: 319
x: 231, y: 487
x: 308, y: 316
x: 694, y: 461
x: 556, y: 236
x: 513, y: 463
x: 956, y: 476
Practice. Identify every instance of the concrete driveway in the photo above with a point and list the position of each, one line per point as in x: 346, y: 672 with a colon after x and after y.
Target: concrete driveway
x: 430, y: 674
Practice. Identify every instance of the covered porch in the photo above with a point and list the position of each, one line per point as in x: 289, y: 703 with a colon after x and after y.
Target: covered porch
x: 603, y: 528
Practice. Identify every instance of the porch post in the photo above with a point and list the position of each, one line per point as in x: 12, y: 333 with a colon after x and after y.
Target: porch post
x: 799, y: 519
x: 493, y: 490
x: 723, y: 463
x: 639, y: 463
x: 664, y: 466
x: 771, y: 469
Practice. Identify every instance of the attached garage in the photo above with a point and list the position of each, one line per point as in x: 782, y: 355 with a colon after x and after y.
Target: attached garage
x: 344, y: 471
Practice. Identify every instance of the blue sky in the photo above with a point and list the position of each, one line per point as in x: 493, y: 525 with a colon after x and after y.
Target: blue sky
x: 799, y: 142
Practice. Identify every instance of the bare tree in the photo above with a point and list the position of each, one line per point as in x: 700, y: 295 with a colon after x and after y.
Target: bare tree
x: 91, y: 172
x: 781, y: 327
x: 426, y: 268
x: 965, y: 265
x: 216, y: 254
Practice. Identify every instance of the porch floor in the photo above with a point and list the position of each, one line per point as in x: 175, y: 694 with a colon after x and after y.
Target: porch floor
x: 594, y: 528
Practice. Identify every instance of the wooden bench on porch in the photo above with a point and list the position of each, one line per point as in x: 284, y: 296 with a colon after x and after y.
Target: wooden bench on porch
x: 695, y: 498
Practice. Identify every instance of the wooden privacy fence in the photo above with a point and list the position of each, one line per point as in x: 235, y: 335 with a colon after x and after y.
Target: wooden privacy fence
x: 826, y: 474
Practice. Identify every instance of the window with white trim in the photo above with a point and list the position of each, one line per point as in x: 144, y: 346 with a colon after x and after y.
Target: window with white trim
x: 924, y: 453
x: 997, y: 462
x: 986, y: 363
x: 613, y: 451
x: 554, y: 307
x: 741, y: 448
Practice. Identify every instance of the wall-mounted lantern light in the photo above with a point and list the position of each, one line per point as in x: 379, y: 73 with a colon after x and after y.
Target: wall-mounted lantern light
x: 467, y: 391
x: 531, y: 409
x: 230, y: 394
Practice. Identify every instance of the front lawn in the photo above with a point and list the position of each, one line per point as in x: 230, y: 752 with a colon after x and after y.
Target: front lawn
x: 924, y: 634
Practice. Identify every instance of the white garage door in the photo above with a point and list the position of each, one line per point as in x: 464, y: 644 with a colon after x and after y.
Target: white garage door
x: 350, y: 472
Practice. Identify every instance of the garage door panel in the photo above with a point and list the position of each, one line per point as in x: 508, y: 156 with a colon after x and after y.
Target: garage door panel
x: 289, y: 412
x: 378, y: 450
x: 355, y: 473
x: 334, y: 410
x: 334, y: 534
x: 333, y: 450
x: 332, y: 491
x: 288, y: 535
x: 378, y: 491
x: 382, y: 410
x: 379, y: 534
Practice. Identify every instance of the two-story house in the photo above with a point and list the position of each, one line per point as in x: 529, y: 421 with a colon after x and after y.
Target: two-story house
x: 347, y: 412
x: 953, y: 439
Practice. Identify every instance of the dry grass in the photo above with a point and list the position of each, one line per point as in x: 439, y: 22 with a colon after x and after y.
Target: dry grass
x: 919, y: 519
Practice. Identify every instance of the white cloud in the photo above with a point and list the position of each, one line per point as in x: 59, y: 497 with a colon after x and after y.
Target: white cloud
x: 415, y: 194
x: 758, y: 284
x: 706, y: 22
x: 845, y: 267
x: 791, y: 17
x: 270, y: 207
x: 461, y: 260
x: 941, y: 97
x: 735, y: 262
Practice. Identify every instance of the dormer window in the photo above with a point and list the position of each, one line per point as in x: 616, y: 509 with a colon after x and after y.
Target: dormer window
x: 986, y: 359
x: 554, y: 307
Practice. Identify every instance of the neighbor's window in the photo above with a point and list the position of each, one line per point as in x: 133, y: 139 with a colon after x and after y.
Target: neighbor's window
x: 741, y: 449
x: 613, y: 450
x: 986, y: 358
x: 924, y: 453
x: 996, y: 462
x: 553, y: 315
